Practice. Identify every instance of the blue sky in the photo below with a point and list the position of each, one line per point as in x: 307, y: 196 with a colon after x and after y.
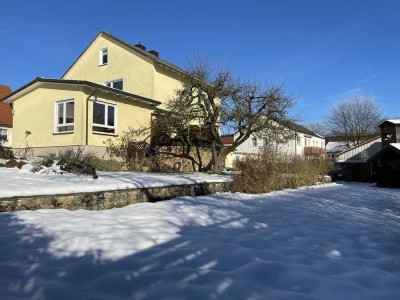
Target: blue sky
x: 324, y: 50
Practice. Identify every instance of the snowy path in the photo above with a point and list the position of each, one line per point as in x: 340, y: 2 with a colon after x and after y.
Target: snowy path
x: 327, y: 242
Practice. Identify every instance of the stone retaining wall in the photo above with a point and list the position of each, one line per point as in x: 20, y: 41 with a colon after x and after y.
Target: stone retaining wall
x: 109, y: 199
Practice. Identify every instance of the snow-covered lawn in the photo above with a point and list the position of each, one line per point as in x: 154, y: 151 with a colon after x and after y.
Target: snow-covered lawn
x: 326, y: 242
x: 16, y: 182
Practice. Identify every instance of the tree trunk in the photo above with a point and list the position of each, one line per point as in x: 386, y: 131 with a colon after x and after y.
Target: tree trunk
x: 219, y: 162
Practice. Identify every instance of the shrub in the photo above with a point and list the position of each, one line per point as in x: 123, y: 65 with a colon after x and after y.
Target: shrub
x: 78, y: 162
x: 40, y: 163
x: 271, y: 171
x: 12, y: 163
x: 6, y: 153
x: 108, y: 165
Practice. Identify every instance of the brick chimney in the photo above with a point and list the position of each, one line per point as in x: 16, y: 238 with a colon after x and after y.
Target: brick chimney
x: 140, y: 46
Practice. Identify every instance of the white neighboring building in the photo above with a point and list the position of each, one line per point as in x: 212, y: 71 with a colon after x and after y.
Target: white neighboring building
x: 306, y: 143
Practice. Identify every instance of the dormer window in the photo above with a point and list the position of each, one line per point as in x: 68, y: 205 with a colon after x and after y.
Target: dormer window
x: 103, y: 56
x: 115, y: 84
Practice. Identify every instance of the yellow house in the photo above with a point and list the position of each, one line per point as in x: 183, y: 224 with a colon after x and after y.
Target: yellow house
x: 112, y: 86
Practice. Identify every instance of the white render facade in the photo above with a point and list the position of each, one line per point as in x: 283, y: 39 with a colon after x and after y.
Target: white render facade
x: 302, y: 145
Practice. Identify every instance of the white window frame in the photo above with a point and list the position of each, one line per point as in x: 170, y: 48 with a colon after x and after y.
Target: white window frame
x: 111, y: 82
x: 56, y: 125
x: 106, y: 104
x: 101, y: 54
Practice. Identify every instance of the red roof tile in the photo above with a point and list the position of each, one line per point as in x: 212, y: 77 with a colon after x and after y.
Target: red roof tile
x: 227, y: 139
x: 6, y: 117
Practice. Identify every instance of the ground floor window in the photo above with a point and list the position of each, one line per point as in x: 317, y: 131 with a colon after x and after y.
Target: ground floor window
x: 64, y: 116
x: 3, y: 134
x: 104, y: 118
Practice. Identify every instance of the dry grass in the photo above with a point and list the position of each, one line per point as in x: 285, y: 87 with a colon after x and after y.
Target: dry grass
x: 271, y: 171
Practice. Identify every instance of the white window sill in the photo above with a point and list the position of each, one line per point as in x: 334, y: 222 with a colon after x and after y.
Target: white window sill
x: 64, y: 132
x: 103, y: 65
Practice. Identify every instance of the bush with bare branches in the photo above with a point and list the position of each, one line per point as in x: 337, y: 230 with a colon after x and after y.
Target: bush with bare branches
x: 272, y: 171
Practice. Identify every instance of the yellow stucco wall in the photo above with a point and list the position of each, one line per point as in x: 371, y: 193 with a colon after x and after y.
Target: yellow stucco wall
x: 130, y: 114
x: 34, y: 112
x: 140, y: 75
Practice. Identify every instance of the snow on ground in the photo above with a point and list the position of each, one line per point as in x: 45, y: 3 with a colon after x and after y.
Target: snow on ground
x: 16, y: 182
x: 326, y: 242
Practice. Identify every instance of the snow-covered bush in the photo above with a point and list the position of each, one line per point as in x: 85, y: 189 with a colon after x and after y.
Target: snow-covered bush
x: 12, y: 163
x: 77, y: 161
x: 271, y: 171
x: 41, y: 163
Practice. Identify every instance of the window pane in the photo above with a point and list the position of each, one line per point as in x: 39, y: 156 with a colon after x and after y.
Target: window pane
x: 105, y: 58
x: 111, y: 115
x: 118, y: 85
x: 70, y: 112
x: 65, y: 128
x: 60, y: 115
x: 98, y: 113
x: 108, y: 84
x: 103, y: 129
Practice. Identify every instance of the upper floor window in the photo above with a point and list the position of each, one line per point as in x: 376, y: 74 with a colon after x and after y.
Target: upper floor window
x: 103, y: 56
x: 115, y: 84
x: 104, y: 118
x: 254, y: 142
x: 64, y: 116
x: 3, y: 135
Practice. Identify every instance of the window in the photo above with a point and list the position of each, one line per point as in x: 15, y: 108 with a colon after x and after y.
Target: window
x: 104, y: 118
x: 116, y: 84
x: 3, y: 135
x: 254, y: 142
x: 103, y: 56
x: 64, y: 116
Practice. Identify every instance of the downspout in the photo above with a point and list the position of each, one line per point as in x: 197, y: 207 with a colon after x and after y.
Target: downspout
x: 87, y: 117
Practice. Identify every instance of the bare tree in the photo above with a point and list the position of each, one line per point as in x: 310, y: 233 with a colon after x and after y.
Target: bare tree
x: 318, y: 127
x: 355, y: 120
x: 210, y: 97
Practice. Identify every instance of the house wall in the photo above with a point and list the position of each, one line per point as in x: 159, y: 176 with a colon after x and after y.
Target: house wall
x: 35, y: 113
x: 140, y: 75
x: 292, y: 147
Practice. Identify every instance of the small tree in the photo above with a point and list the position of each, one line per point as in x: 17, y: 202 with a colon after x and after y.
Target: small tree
x: 355, y: 120
x: 210, y: 97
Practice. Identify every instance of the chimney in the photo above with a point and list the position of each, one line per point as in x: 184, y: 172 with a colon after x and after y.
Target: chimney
x: 141, y: 46
x: 154, y: 52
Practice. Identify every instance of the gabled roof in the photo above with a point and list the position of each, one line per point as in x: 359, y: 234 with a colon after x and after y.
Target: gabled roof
x: 393, y: 121
x: 391, y: 146
x: 302, y: 129
x: 6, y: 117
x: 95, y: 86
x: 377, y: 139
x: 138, y: 50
